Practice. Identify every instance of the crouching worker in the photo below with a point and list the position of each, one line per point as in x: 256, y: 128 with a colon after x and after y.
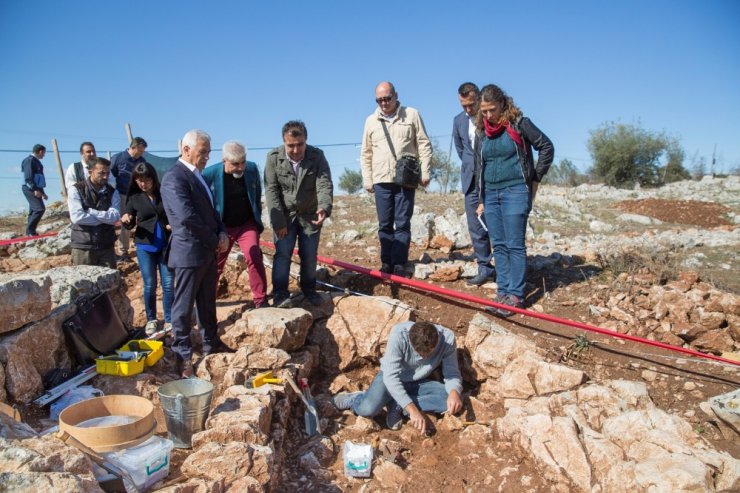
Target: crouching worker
x: 414, y: 351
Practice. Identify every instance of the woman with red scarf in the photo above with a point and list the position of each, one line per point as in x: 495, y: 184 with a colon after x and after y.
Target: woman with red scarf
x: 508, y: 180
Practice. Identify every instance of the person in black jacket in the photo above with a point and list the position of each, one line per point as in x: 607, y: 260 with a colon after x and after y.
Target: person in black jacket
x: 508, y: 180
x: 33, y: 187
x: 145, y: 211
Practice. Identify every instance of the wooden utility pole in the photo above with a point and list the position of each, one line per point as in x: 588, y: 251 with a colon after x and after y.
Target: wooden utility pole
x: 59, y: 167
x: 129, y: 134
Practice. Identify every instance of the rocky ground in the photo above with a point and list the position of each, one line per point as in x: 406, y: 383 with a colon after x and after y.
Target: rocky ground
x: 547, y: 409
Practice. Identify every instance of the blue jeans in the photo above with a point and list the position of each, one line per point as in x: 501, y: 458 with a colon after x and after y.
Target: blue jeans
x: 428, y: 395
x: 149, y: 262
x: 395, y: 206
x: 308, y: 247
x: 506, y: 212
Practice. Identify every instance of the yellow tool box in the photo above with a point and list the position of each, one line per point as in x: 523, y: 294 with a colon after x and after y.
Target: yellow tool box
x: 131, y: 358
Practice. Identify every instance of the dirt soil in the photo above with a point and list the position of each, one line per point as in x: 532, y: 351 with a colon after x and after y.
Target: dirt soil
x: 446, y: 461
x: 694, y: 212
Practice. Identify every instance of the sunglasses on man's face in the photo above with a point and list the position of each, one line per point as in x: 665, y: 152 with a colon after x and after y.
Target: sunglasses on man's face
x: 385, y: 99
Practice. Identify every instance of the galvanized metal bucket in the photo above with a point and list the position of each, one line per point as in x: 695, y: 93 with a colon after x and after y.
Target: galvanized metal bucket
x: 186, y: 404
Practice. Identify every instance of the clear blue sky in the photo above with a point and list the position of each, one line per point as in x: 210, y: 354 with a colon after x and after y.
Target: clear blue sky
x: 80, y: 70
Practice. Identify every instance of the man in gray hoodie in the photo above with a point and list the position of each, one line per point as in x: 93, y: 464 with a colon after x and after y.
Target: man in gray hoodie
x: 414, y: 351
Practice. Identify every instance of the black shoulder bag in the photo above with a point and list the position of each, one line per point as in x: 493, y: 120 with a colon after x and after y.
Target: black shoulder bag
x: 408, y: 171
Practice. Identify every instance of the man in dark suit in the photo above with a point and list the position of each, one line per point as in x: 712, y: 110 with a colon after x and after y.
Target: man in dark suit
x: 463, y: 133
x: 197, y: 236
x: 33, y: 187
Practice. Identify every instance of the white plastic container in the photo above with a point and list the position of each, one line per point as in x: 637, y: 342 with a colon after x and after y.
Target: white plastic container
x: 147, y: 463
x: 358, y: 459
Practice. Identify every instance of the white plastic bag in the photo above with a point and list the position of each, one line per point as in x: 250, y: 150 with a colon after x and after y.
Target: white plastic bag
x: 73, y: 396
x: 358, y: 459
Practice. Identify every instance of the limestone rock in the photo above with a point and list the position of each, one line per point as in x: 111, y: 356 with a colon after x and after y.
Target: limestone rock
x: 144, y: 384
x: 554, y: 445
x: 422, y: 228
x: 48, y: 482
x: 711, y: 320
x: 259, y: 358
x: 44, y: 464
x: 649, y: 433
x: 11, y: 429
x: 270, y: 327
x: 492, y: 347
x: 446, y: 274
x: 31, y: 352
x: 454, y: 227
x: 231, y: 462
x: 203, y: 486
x: 68, y: 283
x: 604, y: 457
x: 442, y: 243
x: 673, y: 472
x: 22, y: 381
x: 250, y: 360
x: 727, y: 408
x: 390, y: 475
x: 320, y: 449
x: 364, y: 425
x: 25, y: 298
x: 304, y: 361
x: 214, y: 367
x: 237, y: 416
x: 423, y: 271
x: 43, y: 454
x: 357, y: 331
x: 714, y: 341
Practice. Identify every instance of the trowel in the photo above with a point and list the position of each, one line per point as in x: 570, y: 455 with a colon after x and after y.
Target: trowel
x: 310, y: 416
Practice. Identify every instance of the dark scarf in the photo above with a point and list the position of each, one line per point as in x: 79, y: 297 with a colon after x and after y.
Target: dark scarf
x: 493, y: 131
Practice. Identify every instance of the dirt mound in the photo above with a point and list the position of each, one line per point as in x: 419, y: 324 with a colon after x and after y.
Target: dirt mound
x: 694, y: 212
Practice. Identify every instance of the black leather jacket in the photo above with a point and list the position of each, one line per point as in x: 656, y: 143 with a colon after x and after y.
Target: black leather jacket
x: 531, y: 137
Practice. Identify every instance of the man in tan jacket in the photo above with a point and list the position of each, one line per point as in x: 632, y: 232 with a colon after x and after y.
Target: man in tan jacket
x: 394, y: 203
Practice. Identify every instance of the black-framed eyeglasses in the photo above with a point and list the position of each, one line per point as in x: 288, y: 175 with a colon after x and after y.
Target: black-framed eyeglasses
x: 384, y: 99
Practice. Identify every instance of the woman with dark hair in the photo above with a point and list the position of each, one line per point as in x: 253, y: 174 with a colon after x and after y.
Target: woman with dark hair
x: 508, y: 179
x: 144, y: 210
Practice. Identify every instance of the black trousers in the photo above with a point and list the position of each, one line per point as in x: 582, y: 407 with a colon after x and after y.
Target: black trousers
x: 194, y: 285
x: 36, y: 210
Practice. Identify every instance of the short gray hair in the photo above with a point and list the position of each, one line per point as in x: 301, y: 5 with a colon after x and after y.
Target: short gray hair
x: 192, y: 137
x: 233, y: 151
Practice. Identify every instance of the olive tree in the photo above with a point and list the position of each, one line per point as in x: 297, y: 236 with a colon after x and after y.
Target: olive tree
x: 626, y: 154
x: 350, y: 181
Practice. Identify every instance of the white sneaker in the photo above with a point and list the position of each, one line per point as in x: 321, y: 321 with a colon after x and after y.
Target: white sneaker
x: 344, y: 400
x: 151, y: 327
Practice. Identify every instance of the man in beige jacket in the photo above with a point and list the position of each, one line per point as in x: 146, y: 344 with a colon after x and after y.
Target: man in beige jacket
x: 394, y: 204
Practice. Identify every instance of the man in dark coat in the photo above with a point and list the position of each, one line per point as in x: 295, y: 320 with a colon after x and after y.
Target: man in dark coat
x: 34, y: 183
x: 299, y: 194
x: 463, y: 133
x: 197, y: 236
